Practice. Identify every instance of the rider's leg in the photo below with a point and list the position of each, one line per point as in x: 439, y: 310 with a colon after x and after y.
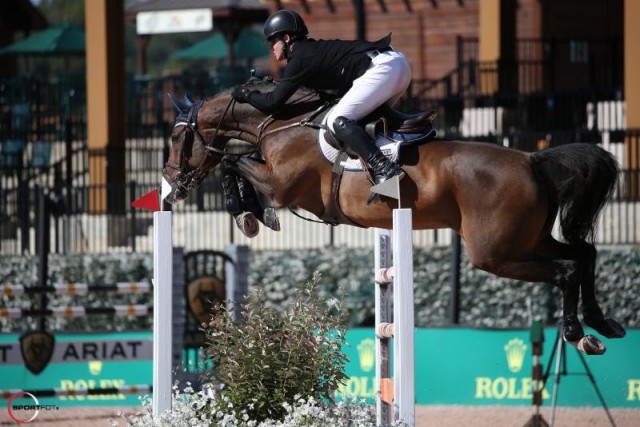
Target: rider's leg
x: 357, y: 140
x: 386, y: 79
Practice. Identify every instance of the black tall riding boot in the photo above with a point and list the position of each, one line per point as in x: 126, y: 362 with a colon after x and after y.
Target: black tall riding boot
x: 357, y: 140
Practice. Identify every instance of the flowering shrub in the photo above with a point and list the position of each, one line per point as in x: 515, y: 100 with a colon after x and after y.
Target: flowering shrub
x: 269, y: 358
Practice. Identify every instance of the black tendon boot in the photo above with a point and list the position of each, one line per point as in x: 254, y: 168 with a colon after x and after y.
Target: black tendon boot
x: 357, y: 140
x: 251, y: 203
x: 246, y: 221
x: 231, y: 194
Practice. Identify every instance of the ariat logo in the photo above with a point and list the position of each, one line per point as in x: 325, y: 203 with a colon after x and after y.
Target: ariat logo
x: 515, y: 350
x: 95, y: 367
x: 36, y: 348
x: 367, y: 354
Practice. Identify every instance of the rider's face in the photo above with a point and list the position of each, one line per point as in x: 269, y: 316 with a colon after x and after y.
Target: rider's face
x: 278, y: 49
x: 278, y: 46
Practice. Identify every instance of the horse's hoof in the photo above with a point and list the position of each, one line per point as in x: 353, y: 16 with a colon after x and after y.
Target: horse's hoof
x: 606, y: 327
x: 591, y: 346
x: 248, y: 224
x: 572, y: 329
x: 270, y: 219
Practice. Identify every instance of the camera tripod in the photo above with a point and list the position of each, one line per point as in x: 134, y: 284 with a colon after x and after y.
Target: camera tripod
x: 561, y: 369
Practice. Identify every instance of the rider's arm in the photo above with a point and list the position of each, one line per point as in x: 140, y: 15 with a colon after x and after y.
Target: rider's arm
x: 296, y: 73
x: 272, y: 101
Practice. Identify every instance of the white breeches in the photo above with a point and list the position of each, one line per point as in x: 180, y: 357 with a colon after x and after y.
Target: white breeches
x: 386, y: 80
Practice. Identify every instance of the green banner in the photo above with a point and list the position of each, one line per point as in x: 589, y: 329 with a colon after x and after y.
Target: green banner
x: 454, y: 366
x: 493, y: 367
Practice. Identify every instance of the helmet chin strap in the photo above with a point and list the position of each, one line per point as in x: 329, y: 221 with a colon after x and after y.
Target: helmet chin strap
x: 285, y: 48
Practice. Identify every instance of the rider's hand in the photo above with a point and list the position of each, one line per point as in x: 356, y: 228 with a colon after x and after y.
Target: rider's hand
x: 241, y: 94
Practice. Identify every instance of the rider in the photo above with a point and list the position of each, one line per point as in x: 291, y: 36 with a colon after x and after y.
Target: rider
x: 366, y: 75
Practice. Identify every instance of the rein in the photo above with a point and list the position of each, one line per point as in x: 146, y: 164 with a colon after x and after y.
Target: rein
x: 306, y: 122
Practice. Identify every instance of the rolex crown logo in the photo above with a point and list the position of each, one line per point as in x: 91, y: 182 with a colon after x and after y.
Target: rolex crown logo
x: 367, y: 354
x: 515, y: 350
x: 95, y: 367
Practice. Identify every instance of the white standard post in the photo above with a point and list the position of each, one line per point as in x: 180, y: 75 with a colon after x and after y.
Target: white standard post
x: 384, y: 314
x: 403, y: 322
x: 162, y: 290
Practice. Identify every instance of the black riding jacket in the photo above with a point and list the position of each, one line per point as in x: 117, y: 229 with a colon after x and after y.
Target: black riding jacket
x: 322, y: 65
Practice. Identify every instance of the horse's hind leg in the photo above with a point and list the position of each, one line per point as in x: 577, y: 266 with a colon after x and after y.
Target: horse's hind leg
x: 592, y: 313
x: 556, y: 268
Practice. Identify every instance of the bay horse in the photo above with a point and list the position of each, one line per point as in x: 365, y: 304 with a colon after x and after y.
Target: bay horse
x: 503, y: 202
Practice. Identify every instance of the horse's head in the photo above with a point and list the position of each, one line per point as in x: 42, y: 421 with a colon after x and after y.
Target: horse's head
x: 202, y: 130
x: 195, y: 149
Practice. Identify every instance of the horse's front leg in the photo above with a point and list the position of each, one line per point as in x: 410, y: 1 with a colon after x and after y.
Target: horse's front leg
x: 246, y: 221
x: 249, y: 199
x: 259, y: 175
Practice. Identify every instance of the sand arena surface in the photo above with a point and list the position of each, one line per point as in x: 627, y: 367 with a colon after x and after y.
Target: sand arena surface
x: 426, y: 416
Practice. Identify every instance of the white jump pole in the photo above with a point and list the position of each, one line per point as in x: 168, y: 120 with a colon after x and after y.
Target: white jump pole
x: 162, y: 311
x: 403, y: 321
x: 400, y: 327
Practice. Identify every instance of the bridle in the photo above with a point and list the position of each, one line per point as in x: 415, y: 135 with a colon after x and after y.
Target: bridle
x: 186, y: 181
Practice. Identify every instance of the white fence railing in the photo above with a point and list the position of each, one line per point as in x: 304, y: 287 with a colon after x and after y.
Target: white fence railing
x: 619, y: 225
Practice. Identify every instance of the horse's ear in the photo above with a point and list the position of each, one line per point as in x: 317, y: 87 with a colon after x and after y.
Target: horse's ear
x: 180, y: 106
x: 188, y: 100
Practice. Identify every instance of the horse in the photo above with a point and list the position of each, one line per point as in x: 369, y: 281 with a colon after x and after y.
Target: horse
x: 503, y: 202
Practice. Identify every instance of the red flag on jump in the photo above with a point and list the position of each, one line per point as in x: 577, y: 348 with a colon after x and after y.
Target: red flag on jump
x: 149, y: 201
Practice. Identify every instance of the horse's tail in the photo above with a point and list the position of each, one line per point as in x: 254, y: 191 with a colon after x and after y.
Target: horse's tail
x: 584, y: 177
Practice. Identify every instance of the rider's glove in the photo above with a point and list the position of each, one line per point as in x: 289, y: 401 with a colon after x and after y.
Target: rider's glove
x: 242, y: 94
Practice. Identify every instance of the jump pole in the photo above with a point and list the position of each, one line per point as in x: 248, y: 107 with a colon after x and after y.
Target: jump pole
x: 399, y: 276
x: 162, y: 297
x: 162, y: 311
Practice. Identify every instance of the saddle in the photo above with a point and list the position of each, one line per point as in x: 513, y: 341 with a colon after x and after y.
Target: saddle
x: 389, y: 128
x: 396, y: 121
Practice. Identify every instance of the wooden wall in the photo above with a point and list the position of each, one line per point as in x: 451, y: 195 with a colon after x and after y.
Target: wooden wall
x: 427, y: 34
x: 427, y: 30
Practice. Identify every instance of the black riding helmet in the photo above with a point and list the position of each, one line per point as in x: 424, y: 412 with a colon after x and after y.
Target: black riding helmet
x: 284, y: 22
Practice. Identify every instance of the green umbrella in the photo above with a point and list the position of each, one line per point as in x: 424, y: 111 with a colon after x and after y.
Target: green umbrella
x: 249, y: 44
x: 64, y: 39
